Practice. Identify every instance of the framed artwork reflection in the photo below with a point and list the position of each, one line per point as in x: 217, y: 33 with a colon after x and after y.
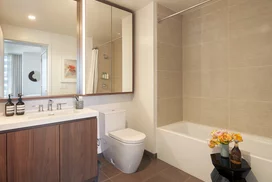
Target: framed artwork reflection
x: 69, y: 70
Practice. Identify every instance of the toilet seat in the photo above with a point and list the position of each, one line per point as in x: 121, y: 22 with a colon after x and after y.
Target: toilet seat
x: 128, y: 136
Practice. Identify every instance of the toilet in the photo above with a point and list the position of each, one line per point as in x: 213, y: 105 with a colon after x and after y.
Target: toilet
x: 121, y: 146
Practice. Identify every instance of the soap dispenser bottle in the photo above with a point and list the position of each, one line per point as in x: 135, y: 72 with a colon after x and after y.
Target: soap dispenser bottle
x: 20, y: 106
x: 9, y: 107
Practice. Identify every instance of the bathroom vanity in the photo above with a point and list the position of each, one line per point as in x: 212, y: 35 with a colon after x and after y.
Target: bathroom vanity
x: 55, y: 148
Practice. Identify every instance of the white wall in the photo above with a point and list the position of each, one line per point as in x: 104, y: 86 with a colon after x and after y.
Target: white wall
x: 141, y: 112
x: 31, y: 62
x: 127, y: 53
x: 1, y: 63
x: 59, y: 47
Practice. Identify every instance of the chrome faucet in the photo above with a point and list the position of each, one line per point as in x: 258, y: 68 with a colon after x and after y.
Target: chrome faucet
x: 50, y: 103
x: 40, y: 107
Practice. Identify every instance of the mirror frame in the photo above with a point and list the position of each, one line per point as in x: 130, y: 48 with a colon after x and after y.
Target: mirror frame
x: 81, y: 55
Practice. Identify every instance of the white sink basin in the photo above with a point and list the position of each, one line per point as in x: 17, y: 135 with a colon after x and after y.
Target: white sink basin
x: 58, y: 113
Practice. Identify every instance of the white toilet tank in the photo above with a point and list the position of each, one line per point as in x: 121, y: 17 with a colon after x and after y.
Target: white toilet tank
x: 112, y: 120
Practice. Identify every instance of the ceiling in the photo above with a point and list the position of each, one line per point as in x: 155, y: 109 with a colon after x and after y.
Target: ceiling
x: 49, y: 15
x: 175, y: 5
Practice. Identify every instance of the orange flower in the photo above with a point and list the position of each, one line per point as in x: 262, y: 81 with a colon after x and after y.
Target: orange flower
x: 237, y: 137
x: 225, y: 138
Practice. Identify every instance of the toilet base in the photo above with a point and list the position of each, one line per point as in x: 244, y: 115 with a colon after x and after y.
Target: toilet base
x: 125, y: 157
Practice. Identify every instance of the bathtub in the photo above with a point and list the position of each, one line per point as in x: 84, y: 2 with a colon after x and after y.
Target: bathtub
x: 184, y: 145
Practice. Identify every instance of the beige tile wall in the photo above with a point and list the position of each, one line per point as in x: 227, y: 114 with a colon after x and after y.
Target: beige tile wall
x: 169, y: 69
x: 112, y: 66
x: 117, y: 65
x: 227, y: 65
x: 104, y: 65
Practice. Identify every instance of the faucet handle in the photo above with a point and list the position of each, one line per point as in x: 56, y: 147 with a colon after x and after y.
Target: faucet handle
x: 59, y: 105
x: 39, y: 106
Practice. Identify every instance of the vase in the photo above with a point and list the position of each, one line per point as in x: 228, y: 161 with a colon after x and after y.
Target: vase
x: 236, y: 156
x: 225, y: 150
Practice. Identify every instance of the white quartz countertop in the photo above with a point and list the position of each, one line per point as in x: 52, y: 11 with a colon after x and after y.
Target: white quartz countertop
x: 43, y: 118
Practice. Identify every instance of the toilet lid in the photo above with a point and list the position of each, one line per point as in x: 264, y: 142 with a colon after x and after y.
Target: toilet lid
x: 128, y: 135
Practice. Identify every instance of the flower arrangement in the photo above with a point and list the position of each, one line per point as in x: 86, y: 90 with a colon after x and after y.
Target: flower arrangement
x: 224, y: 137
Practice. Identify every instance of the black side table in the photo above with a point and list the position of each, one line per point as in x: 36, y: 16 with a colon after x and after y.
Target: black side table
x: 225, y: 171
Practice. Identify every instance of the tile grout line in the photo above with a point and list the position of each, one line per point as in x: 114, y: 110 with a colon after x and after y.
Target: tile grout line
x: 156, y: 173
x: 104, y: 174
x: 116, y: 175
x: 188, y: 179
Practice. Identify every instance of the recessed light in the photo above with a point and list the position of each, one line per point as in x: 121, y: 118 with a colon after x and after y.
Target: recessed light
x: 31, y: 17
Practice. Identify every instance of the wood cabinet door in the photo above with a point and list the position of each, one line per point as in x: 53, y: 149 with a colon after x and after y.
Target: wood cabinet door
x: 33, y: 155
x: 3, y: 158
x: 78, y: 151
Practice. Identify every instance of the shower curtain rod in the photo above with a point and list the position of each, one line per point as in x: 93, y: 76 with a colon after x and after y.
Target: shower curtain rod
x: 175, y: 14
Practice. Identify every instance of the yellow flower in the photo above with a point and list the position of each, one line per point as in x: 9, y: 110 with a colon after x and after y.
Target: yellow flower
x: 237, y: 137
x: 211, y: 144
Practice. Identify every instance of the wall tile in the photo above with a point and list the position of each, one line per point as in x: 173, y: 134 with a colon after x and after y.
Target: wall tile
x: 170, y: 32
x: 249, y: 9
x: 192, y: 39
x: 245, y: 113
x: 169, y: 111
x: 163, y: 12
x: 169, y: 69
x: 191, y: 109
x: 169, y: 84
x: 214, y: 55
x: 227, y: 65
x: 252, y: 50
x: 214, y: 112
x: 191, y: 58
x: 169, y: 57
x: 214, y: 84
x: 253, y: 83
x: 192, y: 84
x: 191, y: 26
x: 213, y: 6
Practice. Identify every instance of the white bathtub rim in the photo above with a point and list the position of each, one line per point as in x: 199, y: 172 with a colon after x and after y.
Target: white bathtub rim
x: 258, y: 138
x: 206, y: 141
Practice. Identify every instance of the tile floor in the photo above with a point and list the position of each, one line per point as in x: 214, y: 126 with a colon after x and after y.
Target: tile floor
x: 150, y: 170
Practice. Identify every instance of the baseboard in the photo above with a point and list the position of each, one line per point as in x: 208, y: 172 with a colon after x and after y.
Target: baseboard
x: 150, y: 154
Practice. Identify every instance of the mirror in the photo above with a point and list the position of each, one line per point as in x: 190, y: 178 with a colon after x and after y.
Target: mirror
x: 109, y: 49
x: 39, y: 49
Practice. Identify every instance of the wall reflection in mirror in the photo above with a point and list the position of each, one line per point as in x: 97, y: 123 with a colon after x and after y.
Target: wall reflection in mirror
x: 39, y: 44
x: 40, y: 47
x: 109, y: 49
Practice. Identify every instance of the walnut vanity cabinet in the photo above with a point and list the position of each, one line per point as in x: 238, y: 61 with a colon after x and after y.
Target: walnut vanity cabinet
x: 3, y: 157
x: 65, y: 152
x: 33, y: 155
x: 78, y: 151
